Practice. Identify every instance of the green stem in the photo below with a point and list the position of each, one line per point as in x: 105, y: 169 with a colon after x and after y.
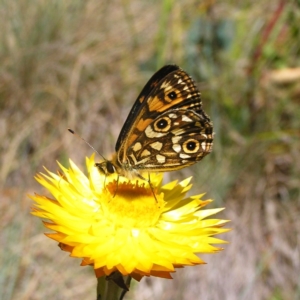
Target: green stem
x: 101, y: 288
x: 113, y: 292
x: 112, y: 287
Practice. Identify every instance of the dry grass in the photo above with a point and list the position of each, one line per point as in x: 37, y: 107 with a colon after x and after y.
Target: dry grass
x: 80, y: 64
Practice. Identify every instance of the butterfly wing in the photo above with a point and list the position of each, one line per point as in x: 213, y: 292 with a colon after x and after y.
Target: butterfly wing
x: 140, y: 101
x: 170, y: 92
x: 176, y: 139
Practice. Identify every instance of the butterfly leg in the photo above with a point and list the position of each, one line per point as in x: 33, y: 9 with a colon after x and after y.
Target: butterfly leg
x: 149, y: 182
x: 105, y: 182
x: 115, y: 193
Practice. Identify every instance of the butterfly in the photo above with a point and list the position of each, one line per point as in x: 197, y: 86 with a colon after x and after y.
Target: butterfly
x: 165, y: 130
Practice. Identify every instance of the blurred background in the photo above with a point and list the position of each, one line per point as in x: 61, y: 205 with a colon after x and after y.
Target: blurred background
x: 81, y: 64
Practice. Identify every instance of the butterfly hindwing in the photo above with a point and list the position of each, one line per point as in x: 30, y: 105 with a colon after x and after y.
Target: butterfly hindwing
x: 176, y: 138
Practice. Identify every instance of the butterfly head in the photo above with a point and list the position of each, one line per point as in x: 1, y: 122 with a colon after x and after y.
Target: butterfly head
x: 112, y: 166
x: 106, y: 167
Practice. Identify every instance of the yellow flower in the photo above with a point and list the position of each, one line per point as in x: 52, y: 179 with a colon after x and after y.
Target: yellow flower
x: 117, y: 224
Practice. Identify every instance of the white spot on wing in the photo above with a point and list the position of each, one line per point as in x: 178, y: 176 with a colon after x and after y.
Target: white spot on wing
x: 160, y: 158
x: 176, y: 139
x: 137, y: 146
x: 156, y: 145
x: 176, y: 148
x: 145, y: 153
x: 183, y: 155
x: 172, y: 116
x: 166, y: 86
x: 186, y: 119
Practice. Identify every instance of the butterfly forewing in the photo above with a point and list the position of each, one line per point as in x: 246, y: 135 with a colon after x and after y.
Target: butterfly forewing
x: 177, y: 90
x: 140, y: 101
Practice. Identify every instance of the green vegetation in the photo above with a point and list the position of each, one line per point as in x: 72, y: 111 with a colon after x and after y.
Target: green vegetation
x: 81, y: 64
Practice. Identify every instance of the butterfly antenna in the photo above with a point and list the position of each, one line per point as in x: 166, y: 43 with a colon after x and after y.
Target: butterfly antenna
x: 78, y: 136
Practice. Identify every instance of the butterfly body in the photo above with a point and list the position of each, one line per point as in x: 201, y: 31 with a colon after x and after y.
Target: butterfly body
x: 165, y: 130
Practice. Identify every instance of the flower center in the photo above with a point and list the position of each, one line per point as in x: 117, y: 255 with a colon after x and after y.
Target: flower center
x: 132, y: 204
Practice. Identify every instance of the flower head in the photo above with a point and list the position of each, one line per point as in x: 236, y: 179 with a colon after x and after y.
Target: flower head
x: 136, y: 227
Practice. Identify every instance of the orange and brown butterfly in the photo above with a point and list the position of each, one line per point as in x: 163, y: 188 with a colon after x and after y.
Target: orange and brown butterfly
x: 166, y: 129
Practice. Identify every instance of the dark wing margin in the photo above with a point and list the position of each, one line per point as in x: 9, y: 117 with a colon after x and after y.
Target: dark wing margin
x: 150, y: 85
